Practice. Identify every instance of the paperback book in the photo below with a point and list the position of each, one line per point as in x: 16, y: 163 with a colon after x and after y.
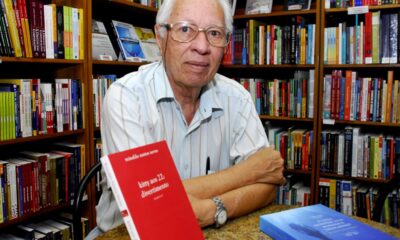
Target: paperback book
x: 102, y: 48
x: 150, y: 194
x: 317, y: 222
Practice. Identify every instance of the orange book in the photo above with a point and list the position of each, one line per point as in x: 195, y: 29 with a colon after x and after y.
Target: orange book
x: 347, y: 95
x: 389, y: 97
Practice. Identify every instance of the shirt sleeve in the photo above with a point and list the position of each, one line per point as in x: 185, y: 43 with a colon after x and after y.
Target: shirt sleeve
x: 249, y: 134
x: 121, y: 127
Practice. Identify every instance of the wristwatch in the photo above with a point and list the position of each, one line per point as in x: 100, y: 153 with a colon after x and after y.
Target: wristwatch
x: 221, y: 215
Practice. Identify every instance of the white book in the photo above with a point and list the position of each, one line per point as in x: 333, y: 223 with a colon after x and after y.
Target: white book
x: 49, y: 31
x: 310, y: 94
x: 12, y: 185
x: 364, y: 94
x: 384, y: 100
x: 340, y: 162
x: 102, y: 48
x: 354, y: 156
x: 360, y: 156
x: 347, y: 203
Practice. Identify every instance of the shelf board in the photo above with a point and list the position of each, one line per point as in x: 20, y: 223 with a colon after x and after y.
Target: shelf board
x: 365, y: 123
x: 41, y: 137
x: 266, y: 117
x: 257, y: 66
x: 363, y: 179
x: 134, y: 5
x: 38, y: 60
x: 382, y: 7
x: 119, y: 63
x: 276, y: 14
x: 31, y: 215
x: 298, y: 171
x: 331, y: 66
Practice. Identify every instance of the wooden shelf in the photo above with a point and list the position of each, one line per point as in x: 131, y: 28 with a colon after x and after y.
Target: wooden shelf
x: 382, y: 7
x: 255, y: 66
x: 119, y: 63
x: 355, y: 66
x: 137, y: 6
x: 363, y: 123
x: 266, y: 117
x: 32, y: 215
x: 275, y: 14
x: 298, y: 171
x: 361, y: 179
x: 41, y: 137
x: 38, y: 60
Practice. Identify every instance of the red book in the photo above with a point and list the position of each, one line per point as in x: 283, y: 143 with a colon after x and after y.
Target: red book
x: 150, y: 193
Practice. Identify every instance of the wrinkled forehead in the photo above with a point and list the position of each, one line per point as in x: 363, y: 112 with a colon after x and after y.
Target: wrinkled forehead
x: 203, y: 13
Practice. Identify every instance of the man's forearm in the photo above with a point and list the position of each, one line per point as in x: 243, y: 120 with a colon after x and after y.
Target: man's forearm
x: 217, y: 183
x: 238, y: 202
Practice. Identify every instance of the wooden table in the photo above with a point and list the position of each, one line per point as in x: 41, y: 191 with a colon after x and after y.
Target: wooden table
x: 246, y: 227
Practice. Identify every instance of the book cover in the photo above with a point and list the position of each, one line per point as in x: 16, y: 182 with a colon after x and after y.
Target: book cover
x: 317, y: 222
x: 147, y: 177
x: 258, y: 7
x: 128, y: 41
x: 102, y: 48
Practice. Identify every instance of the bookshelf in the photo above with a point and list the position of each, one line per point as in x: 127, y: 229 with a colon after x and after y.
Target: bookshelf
x: 367, y: 182
x: 284, y: 70
x: 144, y: 16
x: 47, y: 70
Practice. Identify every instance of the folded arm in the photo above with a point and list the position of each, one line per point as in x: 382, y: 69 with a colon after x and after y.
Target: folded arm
x: 247, y: 186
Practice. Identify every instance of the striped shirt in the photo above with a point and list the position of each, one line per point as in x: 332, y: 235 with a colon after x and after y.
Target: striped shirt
x: 140, y: 108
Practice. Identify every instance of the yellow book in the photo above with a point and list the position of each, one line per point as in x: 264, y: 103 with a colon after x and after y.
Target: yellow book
x: 375, y: 36
x: 81, y: 35
x: 332, y: 193
x: 12, y: 27
x: 395, y: 101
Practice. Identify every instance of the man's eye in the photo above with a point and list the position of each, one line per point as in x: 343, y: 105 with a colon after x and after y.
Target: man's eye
x: 185, y: 29
x: 215, y: 33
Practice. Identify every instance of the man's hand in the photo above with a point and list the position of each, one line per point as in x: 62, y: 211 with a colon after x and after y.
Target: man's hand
x: 204, y: 209
x: 264, y: 166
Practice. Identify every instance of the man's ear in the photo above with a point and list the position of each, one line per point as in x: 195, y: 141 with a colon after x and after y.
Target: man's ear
x: 160, y: 34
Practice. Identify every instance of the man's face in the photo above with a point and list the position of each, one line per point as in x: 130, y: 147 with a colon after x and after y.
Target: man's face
x: 193, y: 64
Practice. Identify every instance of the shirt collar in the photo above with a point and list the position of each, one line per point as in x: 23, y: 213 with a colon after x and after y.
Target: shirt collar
x: 209, y: 101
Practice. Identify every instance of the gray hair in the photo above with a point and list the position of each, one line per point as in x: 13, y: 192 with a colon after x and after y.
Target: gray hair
x: 165, y: 10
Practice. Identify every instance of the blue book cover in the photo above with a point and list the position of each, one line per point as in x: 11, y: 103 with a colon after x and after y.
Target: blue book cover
x: 317, y: 222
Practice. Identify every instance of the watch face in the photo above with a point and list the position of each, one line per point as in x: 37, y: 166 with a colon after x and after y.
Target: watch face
x: 222, y: 217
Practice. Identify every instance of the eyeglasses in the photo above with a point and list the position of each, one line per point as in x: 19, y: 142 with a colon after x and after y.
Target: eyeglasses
x: 185, y: 32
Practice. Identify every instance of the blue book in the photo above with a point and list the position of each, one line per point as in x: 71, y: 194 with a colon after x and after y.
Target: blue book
x: 317, y: 222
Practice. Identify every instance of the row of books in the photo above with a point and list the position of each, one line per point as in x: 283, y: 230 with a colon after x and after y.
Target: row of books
x: 372, y: 41
x: 59, y: 227
x: 150, y: 3
x: 283, y: 97
x: 30, y: 107
x: 295, y: 145
x: 270, y: 44
x: 293, y: 193
x: 349, y: 97
x: 133, y: 43
x: 32, y: 181
x: 351, y: 153
x: 357, y: 3
x: 100, y: 85
x: 354, y: 198
x: 30, y: 28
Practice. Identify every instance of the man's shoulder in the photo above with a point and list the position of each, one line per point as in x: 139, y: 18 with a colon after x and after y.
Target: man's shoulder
x: 230, y: 87
x: 138, y: 78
